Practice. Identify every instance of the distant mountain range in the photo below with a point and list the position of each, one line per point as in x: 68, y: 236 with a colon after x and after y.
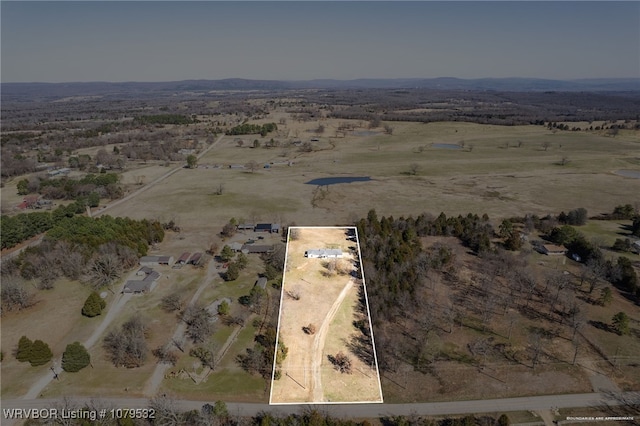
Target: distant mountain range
x: 44, y: 91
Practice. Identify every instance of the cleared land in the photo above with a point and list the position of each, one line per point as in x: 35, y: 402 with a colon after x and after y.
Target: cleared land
x: 484, y: 177
x: 325, y: 301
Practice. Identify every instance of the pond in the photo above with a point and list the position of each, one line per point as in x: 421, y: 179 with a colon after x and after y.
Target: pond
x: 629, y: 173
x: 338, y: 179
x: 447, y: 146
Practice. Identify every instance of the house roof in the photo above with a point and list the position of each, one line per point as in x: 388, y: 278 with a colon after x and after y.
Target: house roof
x: 195, y: 258
x: 137, y: 286
x: 235, y: 246
x: 184, y: 256
x: 262, y: 282
x: 152, y: 276
x: 324, y: 252
x: 554, y: 248
x: 145, y: 269
x: 252, y: 248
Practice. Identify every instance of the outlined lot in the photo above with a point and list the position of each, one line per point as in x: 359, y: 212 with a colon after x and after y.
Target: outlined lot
x: 324, y: 322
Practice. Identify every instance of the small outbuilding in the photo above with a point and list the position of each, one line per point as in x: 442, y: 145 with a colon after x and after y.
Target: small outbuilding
x: 183, y: 258
x: 195, y: 259
x: 156, y: 260
x: 262, y: 283
x: 553, y: 250
x: 267, y: 227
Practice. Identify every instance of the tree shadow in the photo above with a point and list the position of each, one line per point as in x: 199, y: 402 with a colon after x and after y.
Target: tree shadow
x: 601, y: 326
x: 360, y: 345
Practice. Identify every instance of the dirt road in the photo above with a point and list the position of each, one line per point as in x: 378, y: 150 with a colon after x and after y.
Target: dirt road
x: 153, y: 183
x: 154, y: 382
x: 318, y: 345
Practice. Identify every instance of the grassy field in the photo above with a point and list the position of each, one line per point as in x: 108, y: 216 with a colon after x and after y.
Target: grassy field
x: 485, y: 176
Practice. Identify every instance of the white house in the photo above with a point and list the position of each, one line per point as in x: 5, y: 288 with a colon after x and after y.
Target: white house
x: 323, y: 253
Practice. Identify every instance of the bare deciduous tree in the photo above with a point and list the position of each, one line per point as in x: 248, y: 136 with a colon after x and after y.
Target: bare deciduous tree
x: 172, y: 302
x: 165, y: 354
x: 103, y: 270
x: 14, y: 295
x: 198, y: 320
x: 341, y: 362
x: 166, y: 411
x: 309, y: 329
x: 127, y: 346
x: 252, y: 165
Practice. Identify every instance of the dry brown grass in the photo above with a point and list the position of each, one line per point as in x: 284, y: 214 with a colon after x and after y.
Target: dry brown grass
x: 318, y: 291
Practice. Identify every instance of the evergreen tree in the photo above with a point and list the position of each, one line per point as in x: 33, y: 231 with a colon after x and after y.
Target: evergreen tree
x: 270, y: 272
x: 40, y: 353
x: 621, y: 323
x: 242, y: 260
x: 94, y: 305
x: 24, y: 349
x: 226, y: 254
x: 504, y: 420
x: 75, y: 357
x: 223, y: 308
x: 233, y: 272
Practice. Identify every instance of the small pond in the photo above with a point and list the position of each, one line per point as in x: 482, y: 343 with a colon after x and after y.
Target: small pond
x: 629, y: 173
x: 338, y: 179
x: 446, y: 146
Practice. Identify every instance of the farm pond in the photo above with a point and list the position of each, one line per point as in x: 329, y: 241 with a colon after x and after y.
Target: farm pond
x: 337, y: 179
x: 628, y: 173
x: 447, y: 146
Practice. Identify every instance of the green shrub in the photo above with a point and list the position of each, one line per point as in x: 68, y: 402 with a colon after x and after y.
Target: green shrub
x: 94, y: 305
x: 75, y: 358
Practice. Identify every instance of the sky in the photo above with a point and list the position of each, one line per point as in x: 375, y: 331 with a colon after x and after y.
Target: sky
x: 303, y: 40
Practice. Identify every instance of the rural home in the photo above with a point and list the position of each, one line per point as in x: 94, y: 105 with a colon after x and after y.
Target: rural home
x: 323, y: 253
x: 144, y: 271
x: 267, y: 227
x: 246, y: 227
x: 553, y: 250
x: 156, y: 260
x: 251, y: 248
x: 143, y: 285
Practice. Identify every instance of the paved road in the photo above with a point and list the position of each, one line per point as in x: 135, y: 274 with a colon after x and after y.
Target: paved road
x: 534, y: 403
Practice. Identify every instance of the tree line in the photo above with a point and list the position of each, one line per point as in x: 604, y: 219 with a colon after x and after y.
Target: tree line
x: 251, y: 129
x: 94, y: 251
x: 164, y: 119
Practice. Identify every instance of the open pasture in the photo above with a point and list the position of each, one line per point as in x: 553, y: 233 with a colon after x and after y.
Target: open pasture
x: 501, y: 171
